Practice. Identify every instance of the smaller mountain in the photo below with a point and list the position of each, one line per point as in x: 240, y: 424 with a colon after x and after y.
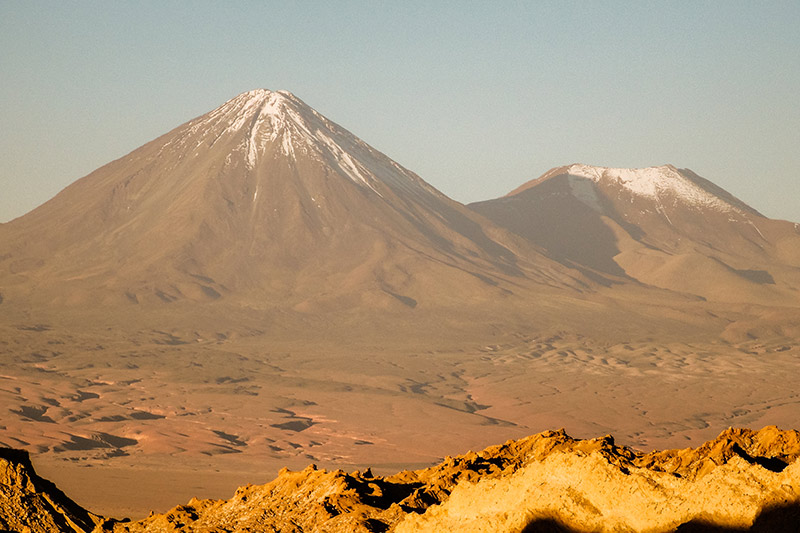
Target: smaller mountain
x: 661, y: 226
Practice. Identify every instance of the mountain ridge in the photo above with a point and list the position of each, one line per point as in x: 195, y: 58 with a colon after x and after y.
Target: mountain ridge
x: 743, y: 480
x: 661, y: 226
x: 263, y: 199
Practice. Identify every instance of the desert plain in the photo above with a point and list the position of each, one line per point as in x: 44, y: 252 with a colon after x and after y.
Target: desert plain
x: 129, y: 425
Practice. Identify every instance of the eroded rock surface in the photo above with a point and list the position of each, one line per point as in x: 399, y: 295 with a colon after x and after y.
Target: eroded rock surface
x: 30, y: 504
x: 742, y: 480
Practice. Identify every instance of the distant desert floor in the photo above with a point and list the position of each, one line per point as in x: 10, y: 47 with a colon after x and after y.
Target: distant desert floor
x: 125, y: 427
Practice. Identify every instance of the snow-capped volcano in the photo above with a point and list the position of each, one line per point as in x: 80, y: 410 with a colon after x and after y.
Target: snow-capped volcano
x: 661, y: 184
x: 263, y: 198
x: 274, y: 124
x: 662, y: 225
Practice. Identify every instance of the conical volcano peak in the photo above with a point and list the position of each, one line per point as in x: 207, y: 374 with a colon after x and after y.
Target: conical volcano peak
x: 265, y: 198
x: 257, y: 110
x: 657, y: 183
x: 262, y: 102
x: 263, y: 125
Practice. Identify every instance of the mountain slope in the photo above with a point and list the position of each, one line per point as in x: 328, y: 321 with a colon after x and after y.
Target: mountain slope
x: 262, y: 200
x: 662, y: 226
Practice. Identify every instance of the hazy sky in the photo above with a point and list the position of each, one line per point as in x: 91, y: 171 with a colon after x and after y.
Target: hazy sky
x: 476, y: 97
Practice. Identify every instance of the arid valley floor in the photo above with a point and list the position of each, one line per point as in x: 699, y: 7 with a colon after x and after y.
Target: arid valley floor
x: 129, y: 427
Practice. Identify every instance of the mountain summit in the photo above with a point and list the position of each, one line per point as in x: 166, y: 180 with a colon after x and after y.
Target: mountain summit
x: 261, y: 200
x: 664, y: 185
x: 276, y: 124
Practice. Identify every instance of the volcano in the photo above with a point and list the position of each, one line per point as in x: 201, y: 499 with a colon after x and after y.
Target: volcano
x: 262, y: 201
x: 662, y: 226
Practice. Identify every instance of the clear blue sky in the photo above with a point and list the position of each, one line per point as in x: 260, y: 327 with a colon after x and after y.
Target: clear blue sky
x: 476, y: 97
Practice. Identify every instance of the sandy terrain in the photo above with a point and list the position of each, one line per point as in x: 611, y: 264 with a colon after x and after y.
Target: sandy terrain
x: 128, y: 426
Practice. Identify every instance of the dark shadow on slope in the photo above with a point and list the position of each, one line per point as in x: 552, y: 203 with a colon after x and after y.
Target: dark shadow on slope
x: 548, y: 525
x: 773, y: 464
x: 97, y: 441
x: 301, y: 424
x: 757, y: 276
x: 405, y: 300
x: 376, y: 526
x: 762, y: 277
x: 771, y: 520
x: 33, y: 412
x: 549, y: 216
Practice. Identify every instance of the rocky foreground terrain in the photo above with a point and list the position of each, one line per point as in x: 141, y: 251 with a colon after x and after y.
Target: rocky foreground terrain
x: 743, y: 480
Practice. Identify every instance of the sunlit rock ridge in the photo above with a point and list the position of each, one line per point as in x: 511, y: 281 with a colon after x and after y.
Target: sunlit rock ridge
x: 743, y: 480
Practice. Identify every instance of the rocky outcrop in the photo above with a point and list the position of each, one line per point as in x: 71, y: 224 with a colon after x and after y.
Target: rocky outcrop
x: 727, y: 484
x: 742, y: 481
x: 30, y: 504
x: 549, y: 480
x: 317, y: 500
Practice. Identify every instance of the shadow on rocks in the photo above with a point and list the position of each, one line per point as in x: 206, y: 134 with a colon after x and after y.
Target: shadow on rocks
x: 548, y: 525
x: 771, y: 520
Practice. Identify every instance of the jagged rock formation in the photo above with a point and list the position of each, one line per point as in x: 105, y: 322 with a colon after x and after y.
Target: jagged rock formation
x: 584, y: 485
x: 30, y: 504
x: 596, y: 486
x: 742, y: 480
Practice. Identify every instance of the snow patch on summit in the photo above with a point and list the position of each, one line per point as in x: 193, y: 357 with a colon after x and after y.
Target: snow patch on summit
x: 656, y: 183
x: 263, y: 123
x: 279, y: 114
